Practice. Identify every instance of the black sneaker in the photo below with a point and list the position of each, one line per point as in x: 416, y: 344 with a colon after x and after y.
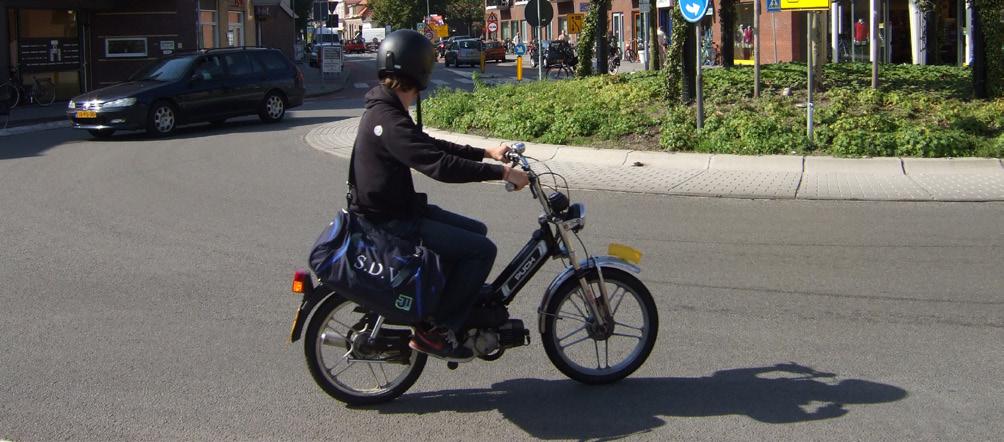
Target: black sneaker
x: 440, y: 343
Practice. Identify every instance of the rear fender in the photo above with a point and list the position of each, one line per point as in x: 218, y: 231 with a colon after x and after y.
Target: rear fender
x: 312, y: 297
x: 584, y: 267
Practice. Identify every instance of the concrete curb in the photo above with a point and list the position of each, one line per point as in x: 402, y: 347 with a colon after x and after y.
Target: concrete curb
x: 17, y: 130
x: 735, y: 176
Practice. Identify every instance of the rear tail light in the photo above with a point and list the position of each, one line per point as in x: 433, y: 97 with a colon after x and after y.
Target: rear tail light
x: 301, y: 281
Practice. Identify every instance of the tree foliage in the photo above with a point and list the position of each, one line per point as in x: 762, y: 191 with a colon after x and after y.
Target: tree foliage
x: 399, y: 14
x: 991, y: 14
x: 589, y: 36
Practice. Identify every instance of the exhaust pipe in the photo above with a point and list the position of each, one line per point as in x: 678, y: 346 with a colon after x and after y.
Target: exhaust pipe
x: 333, y: 338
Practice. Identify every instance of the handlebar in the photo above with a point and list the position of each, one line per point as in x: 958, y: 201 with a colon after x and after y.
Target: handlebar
x: 515, y: 156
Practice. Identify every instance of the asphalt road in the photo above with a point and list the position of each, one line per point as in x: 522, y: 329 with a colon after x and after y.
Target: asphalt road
x: 145, y: 296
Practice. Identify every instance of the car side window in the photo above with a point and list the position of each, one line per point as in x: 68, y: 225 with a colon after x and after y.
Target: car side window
x: 239, y: 64
x: 272, y: 62
x: 209, y: 68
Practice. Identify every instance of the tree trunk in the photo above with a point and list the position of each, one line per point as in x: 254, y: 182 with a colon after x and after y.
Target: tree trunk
x: 653, y: 37
x: 727, y: 13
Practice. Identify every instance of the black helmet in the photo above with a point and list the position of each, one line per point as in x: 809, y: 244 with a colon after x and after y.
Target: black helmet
x: 408, y: 53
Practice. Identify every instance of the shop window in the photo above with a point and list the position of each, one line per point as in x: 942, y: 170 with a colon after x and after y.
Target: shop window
x: 744, y: 32
x: 125, y: 47
x: 207, y: 29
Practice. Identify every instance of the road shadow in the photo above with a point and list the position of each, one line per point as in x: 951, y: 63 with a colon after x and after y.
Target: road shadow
x: 565, y: 409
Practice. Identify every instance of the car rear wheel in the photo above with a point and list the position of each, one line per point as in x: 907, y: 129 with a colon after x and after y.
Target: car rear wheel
x: 162, y: 120
x: 273, y: 108
x: 101, y: 133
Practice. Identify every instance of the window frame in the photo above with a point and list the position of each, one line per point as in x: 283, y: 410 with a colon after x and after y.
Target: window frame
x: 144, y: 54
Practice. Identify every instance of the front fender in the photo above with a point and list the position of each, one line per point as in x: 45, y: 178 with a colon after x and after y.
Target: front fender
x: 569, y: 273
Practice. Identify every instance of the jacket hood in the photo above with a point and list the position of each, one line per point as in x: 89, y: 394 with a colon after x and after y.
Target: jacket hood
x: 382, y: 95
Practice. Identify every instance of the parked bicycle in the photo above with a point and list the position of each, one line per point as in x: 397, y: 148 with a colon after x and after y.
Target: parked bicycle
x: 41, y: 92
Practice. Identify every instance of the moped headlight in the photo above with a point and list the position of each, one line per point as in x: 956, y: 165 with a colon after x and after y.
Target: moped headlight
x: 121, y: 102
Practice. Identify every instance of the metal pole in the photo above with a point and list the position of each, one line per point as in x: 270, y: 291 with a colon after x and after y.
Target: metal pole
x: 854, y: 42
x: 835, y: 31
x: 644, y: 39
x: 873, y: 40
x: 540, y: 47
x: 811, y: 17
x: 699, y: 83
x: 756, y: 48
x: 773, y: 31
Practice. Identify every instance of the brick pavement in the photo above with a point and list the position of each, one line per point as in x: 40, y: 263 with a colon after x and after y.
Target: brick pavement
x: 771, y: 177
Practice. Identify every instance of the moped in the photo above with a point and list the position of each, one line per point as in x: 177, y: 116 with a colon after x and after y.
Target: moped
x: 597, y: 321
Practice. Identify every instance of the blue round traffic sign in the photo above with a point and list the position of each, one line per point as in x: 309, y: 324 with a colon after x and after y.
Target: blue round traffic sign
x: 693, y: 10
x: 520, y: 49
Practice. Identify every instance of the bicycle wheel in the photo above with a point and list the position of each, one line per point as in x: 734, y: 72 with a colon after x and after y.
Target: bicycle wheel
x: 9, y: 95
x: 44, y: 92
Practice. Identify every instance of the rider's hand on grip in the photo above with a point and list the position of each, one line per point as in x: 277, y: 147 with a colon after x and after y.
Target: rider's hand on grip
x: 515, y: 179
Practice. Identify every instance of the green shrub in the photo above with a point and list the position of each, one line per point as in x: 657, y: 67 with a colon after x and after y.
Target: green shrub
x: 920, y: 141
x: 918, y: 112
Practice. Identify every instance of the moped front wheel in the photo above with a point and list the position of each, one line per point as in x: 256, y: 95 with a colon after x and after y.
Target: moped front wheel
x: 350, y: 367
x: 587, y: 354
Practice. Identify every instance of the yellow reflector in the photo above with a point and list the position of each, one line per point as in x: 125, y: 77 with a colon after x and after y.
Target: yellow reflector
x: 624, y: 252
x: 297, y: 286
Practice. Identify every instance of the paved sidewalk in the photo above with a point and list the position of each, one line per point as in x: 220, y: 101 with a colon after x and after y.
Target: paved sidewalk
x: 773, y: 177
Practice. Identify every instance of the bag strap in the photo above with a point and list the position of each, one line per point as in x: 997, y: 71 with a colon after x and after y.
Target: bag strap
x: 351, y: 183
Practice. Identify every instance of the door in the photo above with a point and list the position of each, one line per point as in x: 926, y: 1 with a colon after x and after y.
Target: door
x: 617, y: 25
x: 245, y: 83
x: 203, y: 95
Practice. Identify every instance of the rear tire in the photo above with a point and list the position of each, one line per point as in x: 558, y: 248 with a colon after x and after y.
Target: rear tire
x: 327, y: 313
x: 273, y: 108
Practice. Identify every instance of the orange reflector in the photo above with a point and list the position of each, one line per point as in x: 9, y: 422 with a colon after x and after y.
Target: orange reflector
x: 299, y: 279
x: 624, y: 252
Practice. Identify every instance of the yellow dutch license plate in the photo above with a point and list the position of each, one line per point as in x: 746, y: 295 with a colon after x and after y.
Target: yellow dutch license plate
x: 87, y: 114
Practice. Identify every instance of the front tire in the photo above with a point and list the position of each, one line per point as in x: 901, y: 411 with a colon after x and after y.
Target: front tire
x: 566, y: 336
x: 351, y: 379
x: 162, y: 119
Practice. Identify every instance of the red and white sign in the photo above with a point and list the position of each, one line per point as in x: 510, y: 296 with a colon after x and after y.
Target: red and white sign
x: 493, y: 23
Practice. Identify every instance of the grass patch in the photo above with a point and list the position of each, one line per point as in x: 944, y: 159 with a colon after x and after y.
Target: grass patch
x: 920, y: 111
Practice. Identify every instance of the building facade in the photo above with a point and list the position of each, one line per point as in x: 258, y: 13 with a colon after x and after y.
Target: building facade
x: 783, y: 35
x: 86, y: 44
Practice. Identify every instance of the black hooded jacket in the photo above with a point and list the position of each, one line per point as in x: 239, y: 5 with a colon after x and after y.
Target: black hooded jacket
x: 389, y: 144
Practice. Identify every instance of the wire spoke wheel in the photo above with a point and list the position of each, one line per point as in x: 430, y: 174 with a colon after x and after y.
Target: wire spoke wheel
x: 581, y: 351
x: 44, y: 92
x: 346, y: 366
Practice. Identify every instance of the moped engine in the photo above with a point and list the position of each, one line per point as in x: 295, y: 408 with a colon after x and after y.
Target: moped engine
x: 489, y: 344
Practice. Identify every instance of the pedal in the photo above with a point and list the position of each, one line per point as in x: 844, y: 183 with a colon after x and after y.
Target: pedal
x: 452, y: 365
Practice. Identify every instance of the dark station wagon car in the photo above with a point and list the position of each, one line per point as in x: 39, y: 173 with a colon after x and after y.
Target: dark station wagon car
x: 210, y: 85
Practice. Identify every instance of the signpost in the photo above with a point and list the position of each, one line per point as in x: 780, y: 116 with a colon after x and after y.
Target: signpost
x: 693, y: 11
x: 493, y: 23
x: 774, y: 6
x: 811, y: 7
x: 539, y: 15
x: 645, y: 6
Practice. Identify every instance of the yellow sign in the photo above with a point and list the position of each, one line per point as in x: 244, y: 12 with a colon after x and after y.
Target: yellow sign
x: 575, y: 23
x: 804, y: 5
x: 442, y: 31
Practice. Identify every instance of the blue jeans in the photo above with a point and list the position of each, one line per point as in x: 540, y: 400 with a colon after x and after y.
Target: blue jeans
x: 462, y: 244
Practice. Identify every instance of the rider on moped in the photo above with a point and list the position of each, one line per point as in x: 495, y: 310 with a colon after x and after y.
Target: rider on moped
x: 388, y: 145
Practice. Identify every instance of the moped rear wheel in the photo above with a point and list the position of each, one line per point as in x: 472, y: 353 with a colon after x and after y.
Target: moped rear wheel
x: 349, y: 369
x: 592, y: 356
